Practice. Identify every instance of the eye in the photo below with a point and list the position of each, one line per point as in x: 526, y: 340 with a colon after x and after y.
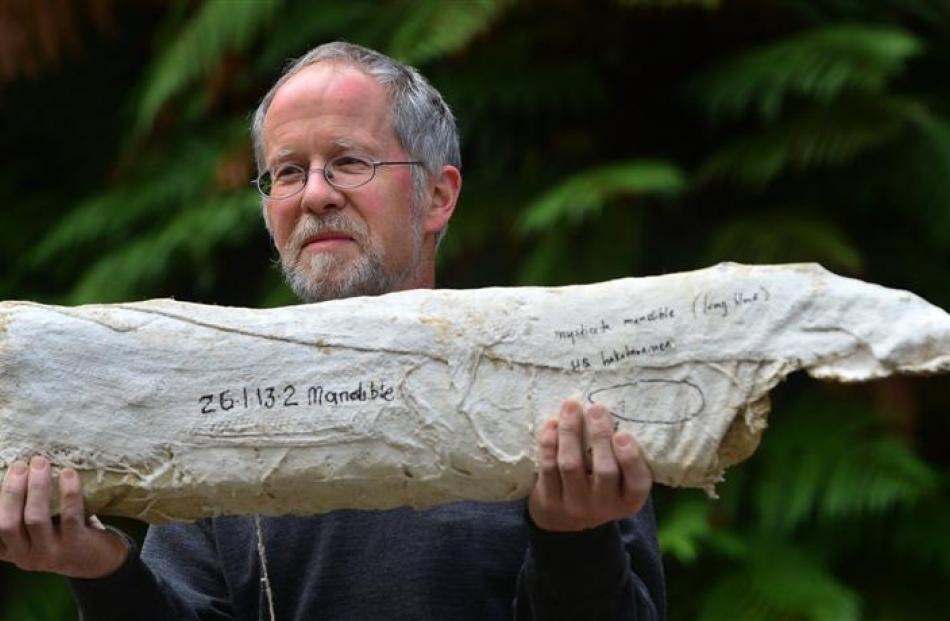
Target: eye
x: 350, y: 165
x: 287, y: 172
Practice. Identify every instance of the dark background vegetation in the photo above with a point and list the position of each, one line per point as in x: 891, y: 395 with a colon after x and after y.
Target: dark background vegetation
x: 601, y: 139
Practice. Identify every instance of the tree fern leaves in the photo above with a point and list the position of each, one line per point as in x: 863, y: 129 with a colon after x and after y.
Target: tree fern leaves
x: 218, y: 27
x: 777, y: 584
x: 788, y: 236
x: 582, y: 195
x: 34, y: 597
x: 853, y: 472
x: 818, y: 136
x: 919, y: 531
x: 831, y: 144
x: 539, y: 267
x: 190, y: 237
x: 682, y: 531
x: 818, y: 65
x: 157, y: 186
x: 301, y: 25
x: 874, y: 476
x: 920, y: 176
x: 432, y: 28
x: 833, y: 494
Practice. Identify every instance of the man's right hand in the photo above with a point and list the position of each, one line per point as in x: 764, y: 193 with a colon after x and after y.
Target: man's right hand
x: 29, y: 537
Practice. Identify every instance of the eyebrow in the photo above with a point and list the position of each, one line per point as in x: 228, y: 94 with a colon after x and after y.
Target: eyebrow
x: 346, y: 144
x: 281, y: 154
x: 339, y: 143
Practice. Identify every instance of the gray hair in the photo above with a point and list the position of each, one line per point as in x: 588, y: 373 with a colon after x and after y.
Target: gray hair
x: 422, y: 122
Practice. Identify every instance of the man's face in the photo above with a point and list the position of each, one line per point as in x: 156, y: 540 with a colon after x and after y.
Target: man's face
x: 338, y: 243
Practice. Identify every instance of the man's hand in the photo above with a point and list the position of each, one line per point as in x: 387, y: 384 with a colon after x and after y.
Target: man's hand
x: 568, y: 497
x: 33, y: 541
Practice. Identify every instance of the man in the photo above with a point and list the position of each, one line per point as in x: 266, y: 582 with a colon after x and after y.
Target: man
x: 360, y: 176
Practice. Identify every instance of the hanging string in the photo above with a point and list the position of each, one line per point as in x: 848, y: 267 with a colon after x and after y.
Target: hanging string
x: 265, y: 579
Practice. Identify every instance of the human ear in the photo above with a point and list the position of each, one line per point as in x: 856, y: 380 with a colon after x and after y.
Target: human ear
x: 441, y: 199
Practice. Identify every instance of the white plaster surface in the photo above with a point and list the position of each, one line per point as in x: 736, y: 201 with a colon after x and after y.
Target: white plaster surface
x: 174, y: 411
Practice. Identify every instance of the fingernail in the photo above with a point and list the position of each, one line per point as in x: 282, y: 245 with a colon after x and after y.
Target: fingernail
x: 18, y: 468
x: 38, y: 463
x: 95, y: 522
x: 67, y: 473
x: 623, y: 440
x: 596, y: 413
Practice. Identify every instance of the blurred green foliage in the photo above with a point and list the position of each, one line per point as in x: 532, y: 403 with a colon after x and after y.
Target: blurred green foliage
x: 600, y: 139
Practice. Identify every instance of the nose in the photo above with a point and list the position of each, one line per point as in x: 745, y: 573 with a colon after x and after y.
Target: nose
x: 318, y: 195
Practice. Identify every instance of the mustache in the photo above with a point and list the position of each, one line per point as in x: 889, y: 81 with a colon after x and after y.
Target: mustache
x: 312, y: 224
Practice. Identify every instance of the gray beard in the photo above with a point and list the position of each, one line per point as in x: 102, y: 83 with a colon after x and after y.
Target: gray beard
x: 322, y: 276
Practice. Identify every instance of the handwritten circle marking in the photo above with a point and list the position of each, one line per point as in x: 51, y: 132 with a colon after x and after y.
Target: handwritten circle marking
x: 616, y: 399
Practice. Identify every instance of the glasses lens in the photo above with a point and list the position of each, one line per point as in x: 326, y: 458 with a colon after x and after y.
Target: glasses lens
x: 348, y: 171
x: 264, y: 184
x: 285, y: 180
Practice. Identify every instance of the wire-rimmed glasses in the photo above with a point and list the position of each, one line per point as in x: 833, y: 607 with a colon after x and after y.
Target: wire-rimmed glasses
x: 343, y: 172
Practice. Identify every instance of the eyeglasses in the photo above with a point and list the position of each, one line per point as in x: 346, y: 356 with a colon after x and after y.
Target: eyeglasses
x: 344, y: 172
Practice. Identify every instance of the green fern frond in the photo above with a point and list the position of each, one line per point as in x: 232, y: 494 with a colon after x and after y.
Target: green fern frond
x: 779, y: 583
x: 499, y: 101
x: 34, y: 596
x: 218, y: 27
x: 604, y: 248
x: 303, y: 25
x: 432, y: 28
x: 818, y: 65
x: 877, y: 474
x: 919, y: 531
x: 859, y: 470
x: 276, y: 293
x: 682, y: 530
x: 921, y: 176
x: 191, y: 237
x: 91, y: 221
x: 819, y: 136
x: 791, y: 485
x: 788, y: 236
x: 486, y: 217
x: 584, y: 194
x: 540, y: 267
x: 161, y: 184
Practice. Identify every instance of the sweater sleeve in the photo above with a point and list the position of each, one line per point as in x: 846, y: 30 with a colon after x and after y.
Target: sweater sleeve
x: 613, y: 572
x: 180, y: 581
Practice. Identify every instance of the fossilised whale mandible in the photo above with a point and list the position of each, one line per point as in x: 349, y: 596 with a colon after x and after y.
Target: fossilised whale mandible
x: 174, y: 411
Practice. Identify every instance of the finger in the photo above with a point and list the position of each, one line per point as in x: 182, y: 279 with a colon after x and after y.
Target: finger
x: 36, y: 516
x: 549, y: 479
x: 94, y: 522
x: 570, y: 453
x: 72, y: 518
x: 637, y: 478
x: 606, y: 473
x: 12, y: 496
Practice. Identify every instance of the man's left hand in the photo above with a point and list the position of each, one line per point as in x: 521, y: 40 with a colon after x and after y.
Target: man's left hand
x: 570, y: 497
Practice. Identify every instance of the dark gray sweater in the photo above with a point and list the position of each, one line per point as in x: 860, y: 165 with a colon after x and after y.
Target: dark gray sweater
x: 461, y: 561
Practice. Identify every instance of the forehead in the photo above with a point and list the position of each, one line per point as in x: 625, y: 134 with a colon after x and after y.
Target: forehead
x: 332, y: 102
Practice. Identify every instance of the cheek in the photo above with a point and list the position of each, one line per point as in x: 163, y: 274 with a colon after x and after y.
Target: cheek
x: 392, y: 230
x: 401, y: 240
x: 392, y: 208
x: 280, y: 219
